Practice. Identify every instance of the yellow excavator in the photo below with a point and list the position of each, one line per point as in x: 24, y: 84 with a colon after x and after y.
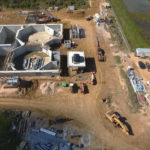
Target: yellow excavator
x: 114, y: 117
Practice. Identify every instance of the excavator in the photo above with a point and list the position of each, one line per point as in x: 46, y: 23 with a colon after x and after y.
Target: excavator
x: 115, y: 118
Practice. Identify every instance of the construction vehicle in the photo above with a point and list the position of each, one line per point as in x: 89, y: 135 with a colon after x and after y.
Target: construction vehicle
x: 71, y: 85
x: 82, y: 87
x: 46, y: 19
x: 13, y: 82
x: 93, y: 78
x: 101, y: 53
x: 101, y: 56
x: 115, y: 118
x: 49, y: 18
x: 89, y: 18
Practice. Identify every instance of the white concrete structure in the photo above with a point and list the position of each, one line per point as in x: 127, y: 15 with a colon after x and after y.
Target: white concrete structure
x: 71, y: 63
x: 14, y: 42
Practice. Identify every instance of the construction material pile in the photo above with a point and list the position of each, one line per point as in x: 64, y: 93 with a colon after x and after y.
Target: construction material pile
x: 136, y: 82
x: 49, y: 88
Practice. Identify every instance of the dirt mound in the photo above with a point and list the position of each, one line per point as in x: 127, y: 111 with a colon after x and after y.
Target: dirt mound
x: 50, y: 88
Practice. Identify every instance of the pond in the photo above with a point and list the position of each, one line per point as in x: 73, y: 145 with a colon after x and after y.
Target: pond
x: 134, y: 6
x: 140, y: 11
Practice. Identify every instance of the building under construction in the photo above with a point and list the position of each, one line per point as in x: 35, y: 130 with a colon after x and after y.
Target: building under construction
x: 26, y: 49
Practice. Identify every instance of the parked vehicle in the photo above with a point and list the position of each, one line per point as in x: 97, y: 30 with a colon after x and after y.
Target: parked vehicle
x: 89, y: 18
x: 141, y: 65
x: 147, y: 64
x: 142, y: 52
x: 101, y: 56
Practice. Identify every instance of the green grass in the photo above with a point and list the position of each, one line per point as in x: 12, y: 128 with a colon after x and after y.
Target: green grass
x: 117, y: 59
x: 131, y: 31
x: 132, y: 95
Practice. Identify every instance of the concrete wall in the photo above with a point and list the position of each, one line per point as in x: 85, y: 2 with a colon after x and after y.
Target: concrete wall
x: 50, y: 66
x: 53, y: 41
x: 5, y: 49
x: 48, y: 52
x: 23, y: 34
x: 18, y: 51
x: 3, y: 36
x: 31, y: 73
x: 23, y: 49
x: 10, y: 34
x: 39, y: 28
x: 49, y: 30
x: 13, y: 29
x: 56, y: 27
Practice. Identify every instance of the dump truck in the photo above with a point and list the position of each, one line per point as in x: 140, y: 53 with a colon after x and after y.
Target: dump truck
x: 115, y: 118
x: 101, y: 53
x: 101, y: 56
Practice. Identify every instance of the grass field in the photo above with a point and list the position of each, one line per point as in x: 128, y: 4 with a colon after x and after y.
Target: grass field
x: 117, y: 59
x: 132, y: 96
x: 131, y: 31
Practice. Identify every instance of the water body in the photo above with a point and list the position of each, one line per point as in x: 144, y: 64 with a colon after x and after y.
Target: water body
x: 134, y: 6
x: 143, y: 7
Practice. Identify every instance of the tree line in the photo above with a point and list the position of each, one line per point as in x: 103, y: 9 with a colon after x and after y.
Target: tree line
x: 30, y: 4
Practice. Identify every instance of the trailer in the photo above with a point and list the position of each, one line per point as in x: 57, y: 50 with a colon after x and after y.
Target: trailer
x: 142, y: 52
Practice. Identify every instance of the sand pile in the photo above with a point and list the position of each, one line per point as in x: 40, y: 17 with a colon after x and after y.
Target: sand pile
x: 49, y: 88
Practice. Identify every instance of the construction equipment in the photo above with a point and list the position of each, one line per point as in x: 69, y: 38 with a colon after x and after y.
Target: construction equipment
x: 101, y: 53
x: 82, y: 87
x: 101, y: 56
x: 45, y: 19
x: 64, y: 84
x: 72, y: 87
x: 115, y: 118
x: 93, y: 78
x: 12, y: 82
x: 89, y: 18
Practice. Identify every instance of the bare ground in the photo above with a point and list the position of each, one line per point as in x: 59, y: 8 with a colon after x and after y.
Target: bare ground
x: 88, y: 109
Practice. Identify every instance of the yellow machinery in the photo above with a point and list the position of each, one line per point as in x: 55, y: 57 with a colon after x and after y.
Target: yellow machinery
x: 115, y: 119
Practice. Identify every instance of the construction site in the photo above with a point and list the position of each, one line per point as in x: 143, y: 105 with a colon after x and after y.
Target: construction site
x: 87, y: 90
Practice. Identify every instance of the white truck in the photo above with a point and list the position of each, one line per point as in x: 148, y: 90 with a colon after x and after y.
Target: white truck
x: 142, y: 52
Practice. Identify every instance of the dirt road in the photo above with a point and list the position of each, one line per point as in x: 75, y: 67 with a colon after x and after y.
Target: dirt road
x: 88, y: 109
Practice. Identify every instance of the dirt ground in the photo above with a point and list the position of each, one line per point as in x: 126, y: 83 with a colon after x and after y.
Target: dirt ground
x: 87, y: 109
